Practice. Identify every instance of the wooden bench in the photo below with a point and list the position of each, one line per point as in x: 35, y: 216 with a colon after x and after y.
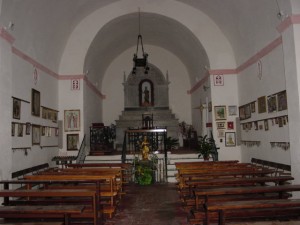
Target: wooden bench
x: 246, y: 209
x: 280, y: 169
x: 59, y: 211
x: 108, y: 178
x: 32, y: 170
x: 42, y: 196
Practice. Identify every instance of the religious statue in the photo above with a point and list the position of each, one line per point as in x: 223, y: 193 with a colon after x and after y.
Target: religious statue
x: 146, y: 96
x: 145, y: 148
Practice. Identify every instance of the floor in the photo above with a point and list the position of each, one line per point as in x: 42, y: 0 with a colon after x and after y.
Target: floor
x: 158, y: 204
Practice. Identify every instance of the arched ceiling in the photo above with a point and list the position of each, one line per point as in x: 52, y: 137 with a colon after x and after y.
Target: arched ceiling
x: 166, y: 33
x: 248, y: 25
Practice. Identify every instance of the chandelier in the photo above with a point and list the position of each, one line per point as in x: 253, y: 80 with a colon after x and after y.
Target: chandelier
x: 143, y: 61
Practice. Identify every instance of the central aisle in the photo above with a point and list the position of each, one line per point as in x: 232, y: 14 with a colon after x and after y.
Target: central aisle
x: 156, y: 204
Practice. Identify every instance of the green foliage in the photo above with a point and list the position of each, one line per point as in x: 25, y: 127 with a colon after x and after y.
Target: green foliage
x: 143, y: 175
x: 171, y: 143
x: 205, y: 147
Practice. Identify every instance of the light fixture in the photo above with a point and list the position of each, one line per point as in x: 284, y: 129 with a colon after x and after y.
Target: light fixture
x: 140, y: 62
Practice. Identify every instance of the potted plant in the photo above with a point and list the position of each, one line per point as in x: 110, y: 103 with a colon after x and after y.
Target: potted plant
x: 205, y: 147
x: 171, y: 143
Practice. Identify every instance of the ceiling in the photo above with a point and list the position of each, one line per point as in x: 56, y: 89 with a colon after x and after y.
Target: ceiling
x: 247, y: 24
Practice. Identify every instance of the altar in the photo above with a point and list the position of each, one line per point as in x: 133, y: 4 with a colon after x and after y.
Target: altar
x: 146, y: 94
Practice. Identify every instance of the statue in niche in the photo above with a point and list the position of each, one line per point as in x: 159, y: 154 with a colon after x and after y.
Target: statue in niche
x: 146, y: 96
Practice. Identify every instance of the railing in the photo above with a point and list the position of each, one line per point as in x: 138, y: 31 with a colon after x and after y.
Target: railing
x: 81, y: 153
x: 156, y: 137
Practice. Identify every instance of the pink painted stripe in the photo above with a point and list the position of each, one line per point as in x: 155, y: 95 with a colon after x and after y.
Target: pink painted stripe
x: 266, y: 50
x: 199, y: 83
x: 223, y: 72
x: 34, y: 62
x: 294, y: 19
x: 93, y: 88
x: 6, y: 36
x: 71, y: 77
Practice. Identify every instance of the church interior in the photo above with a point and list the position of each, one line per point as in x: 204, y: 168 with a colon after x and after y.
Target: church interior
x: 179, y: 90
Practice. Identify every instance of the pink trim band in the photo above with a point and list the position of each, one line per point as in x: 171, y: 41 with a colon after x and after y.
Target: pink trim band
x: 6, y: 36
x: 293, y: 19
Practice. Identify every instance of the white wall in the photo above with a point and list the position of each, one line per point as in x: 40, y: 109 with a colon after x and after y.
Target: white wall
x: 112, y: 87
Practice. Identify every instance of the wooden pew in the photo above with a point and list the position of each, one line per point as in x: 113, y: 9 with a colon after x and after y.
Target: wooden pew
x: 59, y: 211
x: 109, y: 178
x: 45, y: 197
x: 247, y: 209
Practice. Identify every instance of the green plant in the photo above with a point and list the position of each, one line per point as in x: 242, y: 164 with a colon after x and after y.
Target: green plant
x: 171, y: 143
x: 205, y: 147
x: 144, y: 170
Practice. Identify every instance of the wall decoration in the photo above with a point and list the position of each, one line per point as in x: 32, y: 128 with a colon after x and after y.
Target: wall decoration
x: 220, y: 125
x: 272, y: 103
x: 247, y: 111
x: 210, y: 106
x: 72, y: 141
x: 283, y: 145
x: 255, y: 125
x: 282, y: 101
x: 20, y: 130
x: 221, y: 133
x: 218, y: 80
x: 232, y: 110
x: 230, y: 125
x: 251, y: 143
x: 27, y: 128
x: 49, y: 114
x: 266, y: 123
x: 252, y: 104
x: 220, y: 112
x: 280, y: 122
x: 36, y: 134
x: 242, y: 112
x: 75, y: 84
x: 13, y: 128
x: 43, y: 130
x: 16, y: 108
x: 72, y: 120
x: 230, y: 139
x: 56, y: 131
x: 262, y: 106
x: 35, y: 102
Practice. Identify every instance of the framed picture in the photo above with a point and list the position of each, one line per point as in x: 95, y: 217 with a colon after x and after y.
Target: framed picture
x: 220, y: 112
x: 36, y: 134
x: 72, y: 120
x: 230, y: 139
x: 72, y: 141
x: 43, y: 130
x: 230, y: 125
x: 20, y: 130
x: 252, y: 104
x: 247, y: 111
x: 272, y: 103
x: 35, y: 102
x: 13, y: 128
x: 27, y: 128
x: 220, y: 125
x: 266, y: 123
x: 16, y: 108
x: 56, y: 131
x: 242, y: 112
x: 232, y: 110
x: 282, y: 101
x: 261, y: 104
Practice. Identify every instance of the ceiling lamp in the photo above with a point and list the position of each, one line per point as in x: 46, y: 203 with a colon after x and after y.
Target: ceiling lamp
x: 140, y: 62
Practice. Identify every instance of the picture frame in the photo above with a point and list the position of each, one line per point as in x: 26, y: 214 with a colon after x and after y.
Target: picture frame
x: 261, y: 104
x: 16, y: 108
x: 230, y: 125
x: 220, y: 112
x: 72, y: 120
x: 35, y: 103
x: 72, y: 141
x: 20, y: 130
x: 27, y: 128
x: 272, y: 103
x: 282, y: 101
x: 232, y: 110
x: 253, y: 109
x: 242, y: 112
x: 13, y: 128
x: 220, y: 125
x: 36, y: 134
x: 247, y: 111
x: 230, y: 139
x: 266, y: 123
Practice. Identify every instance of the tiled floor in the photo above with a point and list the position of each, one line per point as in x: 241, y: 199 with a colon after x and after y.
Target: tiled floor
x: 158, y: 204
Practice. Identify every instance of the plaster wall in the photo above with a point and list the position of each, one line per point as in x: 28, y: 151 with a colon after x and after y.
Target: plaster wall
x: 6, y: 109
x: 112, y: 87
x: 226, y: 95
x: 253, y: 85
